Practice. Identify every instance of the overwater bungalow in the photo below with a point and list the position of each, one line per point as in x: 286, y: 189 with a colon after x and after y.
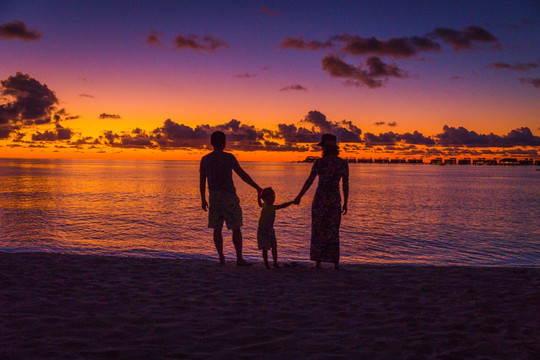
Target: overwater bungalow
x: 437, y: 161
x: 415, y: 161
x: 464, y: 161
x: 508, y: 161
x: 450, y: 161
x: 479, y: 161
x: 381, y: 161
x: 526, y: 162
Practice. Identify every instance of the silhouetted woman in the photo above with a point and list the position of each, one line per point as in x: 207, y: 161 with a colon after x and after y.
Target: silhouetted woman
x: 326, y: 209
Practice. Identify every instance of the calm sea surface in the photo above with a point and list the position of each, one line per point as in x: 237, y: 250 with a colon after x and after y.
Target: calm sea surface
x: 414, y: 214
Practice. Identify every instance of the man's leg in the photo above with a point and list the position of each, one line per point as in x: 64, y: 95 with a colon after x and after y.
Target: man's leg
x: 237, y: 241
x: 218, y: 241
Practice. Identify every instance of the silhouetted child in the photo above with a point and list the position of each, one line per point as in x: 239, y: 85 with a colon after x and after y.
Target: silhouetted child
x: 266, y: 236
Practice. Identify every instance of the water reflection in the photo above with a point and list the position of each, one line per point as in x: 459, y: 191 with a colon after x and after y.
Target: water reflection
x: 398, y: 213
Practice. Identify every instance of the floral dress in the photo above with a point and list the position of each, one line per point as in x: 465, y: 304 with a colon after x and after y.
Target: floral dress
x: 326, y: 208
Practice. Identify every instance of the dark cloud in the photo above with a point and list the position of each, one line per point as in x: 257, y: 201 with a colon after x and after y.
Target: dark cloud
x: 109, y: 116
x: 516, y: 66
x: 299, y: 43
x: 391, y: 138
x: 193, y: 42
x: 239, y: 135
x: 60, y: 133
x: 379, y: 123
x: 395, y: 47
x: 5, y: 131
x: 86, y: 95
x: 292, y: 134
x: 533, y: 81
x: 293, y: 87
x: 463, y: 137
x: 376, y: 69
x: 236, y: 131
x: 345, y: 131
x: 520, y: 137
x: 356, y: 45
x: 87, y: 140
x: 416, y: 138
x: 463, y: 39
x: 137, y: 139
x: 392, y: 124
x: 245, y: 76
x: 28, y: 102
x: 18, y: 30
x: 154, y: 39
x: 388, y: 138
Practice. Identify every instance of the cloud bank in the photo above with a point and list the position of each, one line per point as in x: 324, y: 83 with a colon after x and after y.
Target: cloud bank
x: 27, y: 106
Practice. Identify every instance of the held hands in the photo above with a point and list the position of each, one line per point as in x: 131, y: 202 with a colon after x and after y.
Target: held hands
x: 296, y: 201
x: 204, y: 205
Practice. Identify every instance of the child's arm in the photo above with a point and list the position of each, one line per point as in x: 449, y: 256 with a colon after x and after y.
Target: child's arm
x: 284, y: 205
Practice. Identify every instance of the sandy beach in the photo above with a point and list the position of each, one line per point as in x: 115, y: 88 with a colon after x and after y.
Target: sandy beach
x: 55, y: 306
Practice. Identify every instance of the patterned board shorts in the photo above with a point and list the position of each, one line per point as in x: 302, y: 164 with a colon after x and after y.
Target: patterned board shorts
x: 224, y: 206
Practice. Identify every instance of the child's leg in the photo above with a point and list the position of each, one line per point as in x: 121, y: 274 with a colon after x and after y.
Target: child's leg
x: 274, y: 256
x: 265, y: 258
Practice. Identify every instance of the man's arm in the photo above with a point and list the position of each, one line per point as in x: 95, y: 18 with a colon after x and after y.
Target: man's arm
x: 244, y: 176
x: 202, y: 185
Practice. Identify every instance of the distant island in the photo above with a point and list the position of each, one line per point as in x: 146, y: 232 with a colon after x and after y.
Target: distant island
x: 438, y: 161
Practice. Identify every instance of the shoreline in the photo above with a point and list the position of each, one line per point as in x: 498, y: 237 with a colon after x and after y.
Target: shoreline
x: 257, y: 259
x: 56, y: 306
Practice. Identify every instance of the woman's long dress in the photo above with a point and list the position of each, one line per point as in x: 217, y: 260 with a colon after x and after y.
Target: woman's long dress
x: 326, y: 208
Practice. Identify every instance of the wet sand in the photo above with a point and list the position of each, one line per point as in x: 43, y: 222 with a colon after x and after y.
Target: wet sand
x: 55, y: 306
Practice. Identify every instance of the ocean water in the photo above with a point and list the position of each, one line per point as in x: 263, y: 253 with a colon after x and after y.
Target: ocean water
x: 407, y: 214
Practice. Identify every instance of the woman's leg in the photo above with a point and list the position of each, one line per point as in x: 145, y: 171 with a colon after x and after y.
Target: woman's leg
x: 274, y: 257
x: 265, y: 258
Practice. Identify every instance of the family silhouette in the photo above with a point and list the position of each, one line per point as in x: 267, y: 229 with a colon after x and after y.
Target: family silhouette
x: 223, y: 204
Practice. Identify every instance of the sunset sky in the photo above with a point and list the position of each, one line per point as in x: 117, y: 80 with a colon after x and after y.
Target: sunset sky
x: 143, y: 79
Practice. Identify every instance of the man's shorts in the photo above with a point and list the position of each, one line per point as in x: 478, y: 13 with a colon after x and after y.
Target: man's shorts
x: 224, y: 206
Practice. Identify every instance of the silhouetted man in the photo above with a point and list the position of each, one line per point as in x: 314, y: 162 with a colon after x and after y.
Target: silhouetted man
x: 217, y: 167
